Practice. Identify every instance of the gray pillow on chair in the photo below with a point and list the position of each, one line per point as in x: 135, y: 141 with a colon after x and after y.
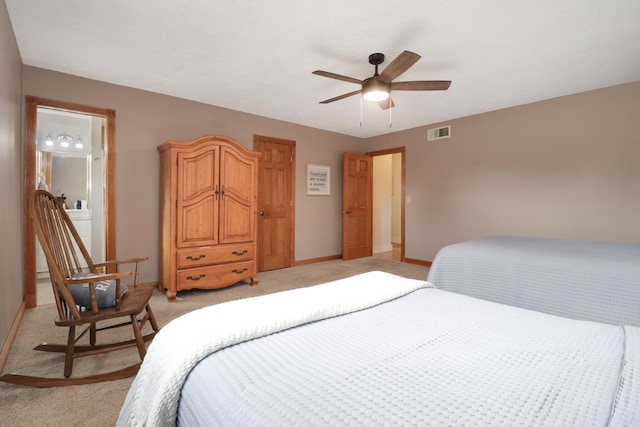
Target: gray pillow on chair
x: 105, y: 291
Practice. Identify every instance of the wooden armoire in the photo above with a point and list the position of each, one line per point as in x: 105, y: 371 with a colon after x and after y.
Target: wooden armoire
x: 208, y: 214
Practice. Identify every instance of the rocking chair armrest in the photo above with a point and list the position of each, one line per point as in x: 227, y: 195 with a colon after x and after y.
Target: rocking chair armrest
x: 124, y: 261
x: 98, y: 278
x: 136, y: 261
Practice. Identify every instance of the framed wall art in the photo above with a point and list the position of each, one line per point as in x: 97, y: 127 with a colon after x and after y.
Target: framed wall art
x: 318, y: 180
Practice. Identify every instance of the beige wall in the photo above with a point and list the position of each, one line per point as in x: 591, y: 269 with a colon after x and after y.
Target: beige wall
x: 11, y: 279
x: 567, y: 167
x: 145, y: 119
x: 542, y: 169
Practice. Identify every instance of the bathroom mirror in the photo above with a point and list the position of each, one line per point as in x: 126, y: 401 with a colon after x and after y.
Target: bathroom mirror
x: 66, y: 175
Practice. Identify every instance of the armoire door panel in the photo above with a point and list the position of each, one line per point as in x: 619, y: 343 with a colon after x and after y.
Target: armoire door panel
x: 195, y: 224
x: 197, y: 197
x: 197, y: 174
x: 236, y: 222
x: 237, y: 175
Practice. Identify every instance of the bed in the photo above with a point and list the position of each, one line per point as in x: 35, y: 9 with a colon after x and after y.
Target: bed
x: 380, y: 349
x: 584, y: 280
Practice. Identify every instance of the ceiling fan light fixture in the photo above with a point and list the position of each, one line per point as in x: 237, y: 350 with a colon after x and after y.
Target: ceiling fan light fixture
x: 375, y: 91
x: 376, y: 95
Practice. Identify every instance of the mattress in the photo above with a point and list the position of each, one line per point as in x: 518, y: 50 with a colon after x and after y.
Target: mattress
x: 429, y: 358
x: 578, y: 279
x: 423, y: 356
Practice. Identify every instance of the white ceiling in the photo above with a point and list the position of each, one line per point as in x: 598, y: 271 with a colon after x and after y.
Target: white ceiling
x: 257, y: 57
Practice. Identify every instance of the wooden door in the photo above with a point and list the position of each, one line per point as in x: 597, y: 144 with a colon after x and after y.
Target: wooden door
x: 357, y: 206
x: 237, y: 200
x: 197, y: 197
x: 275, y: 202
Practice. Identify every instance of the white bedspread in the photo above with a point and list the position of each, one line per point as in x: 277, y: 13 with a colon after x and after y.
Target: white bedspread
x: 578, y: 279
x: 429, y: 358
x: 180, y: 345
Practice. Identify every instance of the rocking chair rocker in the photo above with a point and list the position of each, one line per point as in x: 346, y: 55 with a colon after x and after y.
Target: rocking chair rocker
x: 85, y: 296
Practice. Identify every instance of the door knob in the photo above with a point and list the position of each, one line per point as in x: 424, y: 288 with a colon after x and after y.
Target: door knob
x: 263, y: 213
x: 346, y: 212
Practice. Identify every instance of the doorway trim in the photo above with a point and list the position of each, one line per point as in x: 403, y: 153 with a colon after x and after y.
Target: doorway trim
x: 31, y: 124
x: 402, y: 151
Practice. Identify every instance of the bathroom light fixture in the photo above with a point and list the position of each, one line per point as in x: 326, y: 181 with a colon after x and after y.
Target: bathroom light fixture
x: 64, y: 140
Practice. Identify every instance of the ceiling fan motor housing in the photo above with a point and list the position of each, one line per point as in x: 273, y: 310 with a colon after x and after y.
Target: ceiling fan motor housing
x: 376, y: 58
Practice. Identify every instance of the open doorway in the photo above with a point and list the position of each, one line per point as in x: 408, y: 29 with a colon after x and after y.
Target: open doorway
x: 70, y: 164
x: 61, y: 138
x: 388, y: 206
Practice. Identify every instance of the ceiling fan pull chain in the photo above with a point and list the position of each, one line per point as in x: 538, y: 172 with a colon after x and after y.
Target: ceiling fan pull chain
x: 390, y: 122
x: 361, y: 98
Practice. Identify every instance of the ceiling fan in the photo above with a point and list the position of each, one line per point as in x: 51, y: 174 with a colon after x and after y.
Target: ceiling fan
x: 378, y: 87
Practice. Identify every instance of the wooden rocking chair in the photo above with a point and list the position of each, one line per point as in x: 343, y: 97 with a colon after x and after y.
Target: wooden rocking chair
x: 85, y: 296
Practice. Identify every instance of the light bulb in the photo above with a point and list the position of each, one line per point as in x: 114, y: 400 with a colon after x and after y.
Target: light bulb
x: 49, y: 140
x: 376, y: 95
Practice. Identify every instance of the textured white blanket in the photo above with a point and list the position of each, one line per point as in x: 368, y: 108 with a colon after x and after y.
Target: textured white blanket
x: 180, y: 345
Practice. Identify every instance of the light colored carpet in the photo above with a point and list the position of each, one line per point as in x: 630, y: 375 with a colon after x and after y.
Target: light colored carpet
x: 99, y: 404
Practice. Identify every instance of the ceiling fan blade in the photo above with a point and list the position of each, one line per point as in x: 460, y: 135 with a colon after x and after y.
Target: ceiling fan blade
x: 399, y: 65
x: 422, y: 85
x: 386, y: 104
x: 337, y: 77
x: 338, y: 98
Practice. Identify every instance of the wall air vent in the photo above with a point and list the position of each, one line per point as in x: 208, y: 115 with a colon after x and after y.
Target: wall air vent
x: 439, y: 133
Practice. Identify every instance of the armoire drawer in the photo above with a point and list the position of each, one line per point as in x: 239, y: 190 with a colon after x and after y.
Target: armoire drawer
x: 209, y: 255
x: 215, y: 276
